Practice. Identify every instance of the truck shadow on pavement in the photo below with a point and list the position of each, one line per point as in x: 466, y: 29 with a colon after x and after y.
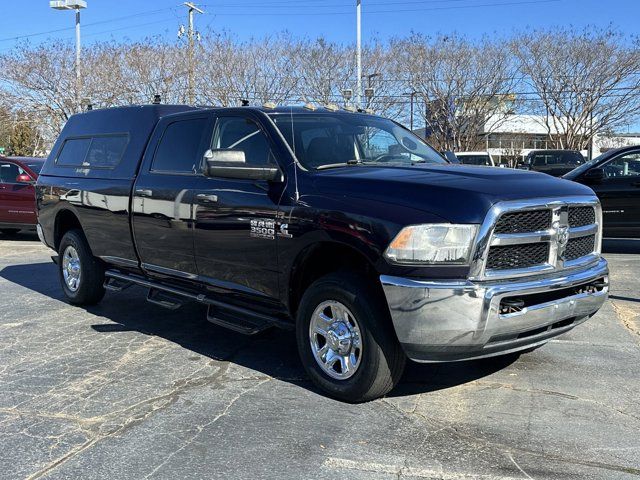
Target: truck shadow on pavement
x: 273, y: 353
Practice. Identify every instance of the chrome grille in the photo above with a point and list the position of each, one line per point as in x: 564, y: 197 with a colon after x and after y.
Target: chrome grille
x: 520, y: 222
x: 517, y: 256
x: 580, y: 216
x: 520, y: 238
x: 579, y: 247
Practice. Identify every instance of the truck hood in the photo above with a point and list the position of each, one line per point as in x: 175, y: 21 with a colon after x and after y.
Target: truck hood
x: 457, y: 193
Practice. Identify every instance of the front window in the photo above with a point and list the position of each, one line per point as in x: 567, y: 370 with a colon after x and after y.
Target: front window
x: 325, y: 140
x: 624, y: 166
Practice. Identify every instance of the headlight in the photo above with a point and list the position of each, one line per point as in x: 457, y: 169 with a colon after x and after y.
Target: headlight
x: 436, y: 243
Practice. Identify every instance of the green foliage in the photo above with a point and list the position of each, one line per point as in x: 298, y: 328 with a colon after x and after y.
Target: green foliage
x: 23, y: 138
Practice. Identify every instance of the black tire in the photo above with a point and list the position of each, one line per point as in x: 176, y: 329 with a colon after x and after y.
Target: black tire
x: 9, y: 231
x: 90, y: 289
x: 382, y: 359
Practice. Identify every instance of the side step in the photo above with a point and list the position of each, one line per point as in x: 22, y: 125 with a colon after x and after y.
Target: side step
x: 233, y: 317
x: 164, y: 299
x: 116, y: 285
x: 247, y: 325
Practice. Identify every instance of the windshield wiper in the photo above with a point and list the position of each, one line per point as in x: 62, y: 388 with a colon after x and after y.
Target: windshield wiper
x: 341, y: 164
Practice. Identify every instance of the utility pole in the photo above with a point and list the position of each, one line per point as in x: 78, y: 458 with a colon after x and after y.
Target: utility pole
x: 411, y: 94
x: 190, y: 54
x: 73, y: 5
x: 359, y: 53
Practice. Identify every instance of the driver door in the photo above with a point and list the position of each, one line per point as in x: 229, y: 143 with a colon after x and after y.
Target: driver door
x: 235, y: 219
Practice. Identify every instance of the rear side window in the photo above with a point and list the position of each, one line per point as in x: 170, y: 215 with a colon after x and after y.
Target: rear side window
x: 181, y: 148
x: 106, y: 152
x: 73, y: 152
x: 93, y: 152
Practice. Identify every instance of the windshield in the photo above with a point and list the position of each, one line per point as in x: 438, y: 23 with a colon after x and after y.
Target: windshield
x: 474, y: 159
x: 325, y: 140
x: 544, y: 159
x: 584, y: 167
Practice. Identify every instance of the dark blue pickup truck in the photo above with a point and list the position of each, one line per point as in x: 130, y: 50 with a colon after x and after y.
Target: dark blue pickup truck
x: 343, y: 226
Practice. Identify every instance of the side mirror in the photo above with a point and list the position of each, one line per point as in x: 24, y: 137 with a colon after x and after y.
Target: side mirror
x: 228, y: 163
x: 595, y: 175
x: 24, y: 178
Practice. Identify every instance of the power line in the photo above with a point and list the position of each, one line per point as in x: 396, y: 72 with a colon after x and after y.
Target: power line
x: 101, y: 22
x: 373, y: 12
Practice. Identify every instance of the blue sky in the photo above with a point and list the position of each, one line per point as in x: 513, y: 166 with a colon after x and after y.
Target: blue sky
x: 333, y: 19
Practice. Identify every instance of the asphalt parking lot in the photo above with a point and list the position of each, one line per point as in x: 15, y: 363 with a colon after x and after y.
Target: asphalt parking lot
x: 127, y: 389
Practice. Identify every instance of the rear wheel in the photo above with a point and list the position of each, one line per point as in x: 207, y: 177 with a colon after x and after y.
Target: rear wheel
x: 9, y: 231
x: 81, y: 274
x: 345, y: 339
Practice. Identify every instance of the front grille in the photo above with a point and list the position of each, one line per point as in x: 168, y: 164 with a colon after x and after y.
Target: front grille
x: 509, y: 257
x: 581, y: 216
x: 579, y: 247
x: 523, y: 222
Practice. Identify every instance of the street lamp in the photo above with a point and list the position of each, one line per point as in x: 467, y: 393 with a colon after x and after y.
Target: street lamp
x: 73, y: 5
x: 347, y: 93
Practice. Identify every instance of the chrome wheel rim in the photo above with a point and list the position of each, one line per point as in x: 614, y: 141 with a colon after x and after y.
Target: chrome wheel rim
x: 335, y: 340
x: 71, y: 268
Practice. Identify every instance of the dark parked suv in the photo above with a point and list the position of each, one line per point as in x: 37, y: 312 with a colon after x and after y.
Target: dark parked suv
x: 343, y: 226
x: 615, y: 177
x: 553, y: 162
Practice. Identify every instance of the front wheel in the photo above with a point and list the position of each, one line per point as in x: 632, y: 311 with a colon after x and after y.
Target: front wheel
x: 345, y: 339
x: 81, y: 274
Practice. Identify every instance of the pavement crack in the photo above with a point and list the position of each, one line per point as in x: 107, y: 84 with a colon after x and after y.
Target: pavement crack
x: 200, y: 428
x: 629, y: 317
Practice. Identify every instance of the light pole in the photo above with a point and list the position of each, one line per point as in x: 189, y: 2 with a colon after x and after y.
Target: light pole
x: 190, y: 36
x: 359, y: 52
x: 73, y: 5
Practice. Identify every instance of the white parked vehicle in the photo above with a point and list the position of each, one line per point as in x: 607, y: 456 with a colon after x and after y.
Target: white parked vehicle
x: 476, y: 158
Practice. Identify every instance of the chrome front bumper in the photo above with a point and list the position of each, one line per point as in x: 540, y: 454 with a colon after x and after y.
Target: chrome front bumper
x: 460, y: 320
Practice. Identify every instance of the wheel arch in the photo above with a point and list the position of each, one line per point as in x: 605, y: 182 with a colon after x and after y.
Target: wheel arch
x: 65, y: 220
x: 320, y: 259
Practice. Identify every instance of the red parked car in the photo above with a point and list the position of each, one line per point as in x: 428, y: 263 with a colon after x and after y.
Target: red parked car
x: 17, y: 193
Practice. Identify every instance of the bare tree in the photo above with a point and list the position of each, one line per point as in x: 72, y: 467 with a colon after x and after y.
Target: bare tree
x: 326, y: 69
x: 585, y: 82
x: 258, y: 71
x: 461, y: 85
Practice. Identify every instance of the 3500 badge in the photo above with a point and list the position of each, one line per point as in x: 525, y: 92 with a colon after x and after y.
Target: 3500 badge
x: 263, y: 228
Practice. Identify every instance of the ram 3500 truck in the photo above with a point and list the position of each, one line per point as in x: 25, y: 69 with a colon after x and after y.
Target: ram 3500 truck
x: 343, y: 226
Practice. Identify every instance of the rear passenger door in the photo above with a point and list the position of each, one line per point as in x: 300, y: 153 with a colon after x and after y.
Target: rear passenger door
x: 163, y: 192
x: 235, y: 227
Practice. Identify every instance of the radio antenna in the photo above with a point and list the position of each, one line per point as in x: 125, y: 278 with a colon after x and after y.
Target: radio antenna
x: 295, y: 159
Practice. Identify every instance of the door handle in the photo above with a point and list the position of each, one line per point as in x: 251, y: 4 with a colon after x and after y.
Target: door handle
x: 144, y: 192
x: 207, y: 197
x: 635, y: 184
